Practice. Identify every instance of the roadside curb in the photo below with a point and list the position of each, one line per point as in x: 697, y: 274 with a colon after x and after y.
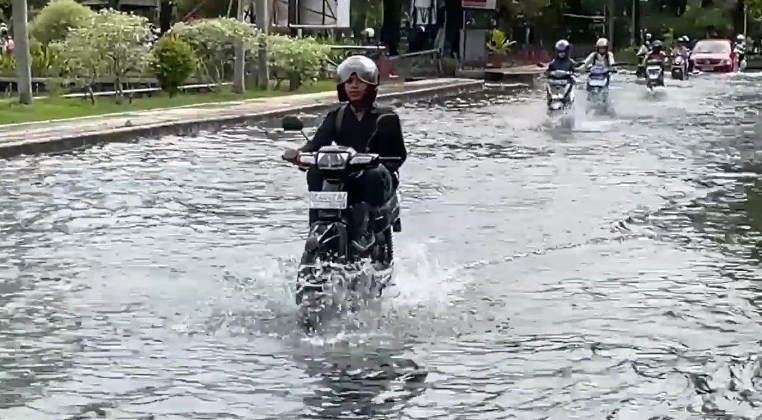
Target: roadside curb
x: 64, y: 142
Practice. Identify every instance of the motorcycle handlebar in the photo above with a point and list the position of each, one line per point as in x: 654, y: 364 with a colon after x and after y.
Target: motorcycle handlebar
x: 362, y: 159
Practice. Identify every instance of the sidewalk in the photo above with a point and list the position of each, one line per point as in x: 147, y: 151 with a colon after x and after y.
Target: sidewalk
x: 46, y: 136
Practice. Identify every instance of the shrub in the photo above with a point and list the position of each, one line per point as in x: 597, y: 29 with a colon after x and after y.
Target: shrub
x: 297, y: 60
x: 110, y: 44
x: 54, y: 20
x: 212, y: 40
x: 173, y: 63
x: 45, y: 61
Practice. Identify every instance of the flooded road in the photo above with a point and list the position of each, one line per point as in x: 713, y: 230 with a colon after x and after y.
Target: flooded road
x: 606, y: 273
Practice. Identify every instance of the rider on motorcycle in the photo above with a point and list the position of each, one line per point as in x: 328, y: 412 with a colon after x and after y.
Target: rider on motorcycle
x: 681, y: 50
x: 740, y: 47
x: 356, y: 124
x: 642, y: 52
x: 601, y: 57
x: 656, y: 54
x: 562, y: 61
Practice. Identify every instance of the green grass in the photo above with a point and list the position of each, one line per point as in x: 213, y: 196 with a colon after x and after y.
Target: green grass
x: 54, y: 108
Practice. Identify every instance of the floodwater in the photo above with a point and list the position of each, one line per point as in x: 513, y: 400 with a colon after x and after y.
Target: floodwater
x: 610, y: 272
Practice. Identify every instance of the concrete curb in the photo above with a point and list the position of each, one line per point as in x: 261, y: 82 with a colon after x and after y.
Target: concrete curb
x: 65, y: 142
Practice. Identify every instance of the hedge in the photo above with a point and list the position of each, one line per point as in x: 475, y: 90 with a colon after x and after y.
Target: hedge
x: 113, y: 45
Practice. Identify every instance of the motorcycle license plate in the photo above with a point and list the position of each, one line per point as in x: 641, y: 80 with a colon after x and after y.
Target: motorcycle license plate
x: 334, y: 200
x: 596, y: 82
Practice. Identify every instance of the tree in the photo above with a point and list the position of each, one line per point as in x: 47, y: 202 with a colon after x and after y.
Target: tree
x: 526, y: 8
x: 23, y: 58
x: 112, y: 44
x: 55, y: 20
x: 212, y: 40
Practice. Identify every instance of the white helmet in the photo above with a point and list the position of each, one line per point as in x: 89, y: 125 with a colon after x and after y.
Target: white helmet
x: 602, y: 43
x: 740, y: 37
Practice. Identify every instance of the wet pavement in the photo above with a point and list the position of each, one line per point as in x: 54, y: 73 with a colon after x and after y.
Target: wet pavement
x: 604, y: 273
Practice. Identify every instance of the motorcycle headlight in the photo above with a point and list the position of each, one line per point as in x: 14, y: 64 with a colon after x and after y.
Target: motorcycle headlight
x: 332, y: 160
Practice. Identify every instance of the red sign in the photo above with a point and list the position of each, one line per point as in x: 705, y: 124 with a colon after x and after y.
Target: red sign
x: 479, y: 4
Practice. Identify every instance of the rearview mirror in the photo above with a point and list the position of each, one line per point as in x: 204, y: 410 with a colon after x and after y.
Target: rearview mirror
x: 292, y: 123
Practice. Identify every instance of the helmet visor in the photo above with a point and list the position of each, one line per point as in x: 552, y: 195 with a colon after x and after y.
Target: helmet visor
x: 365, y: 71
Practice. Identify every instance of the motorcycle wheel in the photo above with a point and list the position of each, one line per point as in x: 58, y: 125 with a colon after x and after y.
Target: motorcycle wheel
x: 382, y: 258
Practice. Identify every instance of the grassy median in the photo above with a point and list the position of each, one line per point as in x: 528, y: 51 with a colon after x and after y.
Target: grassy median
x: 54, y: 108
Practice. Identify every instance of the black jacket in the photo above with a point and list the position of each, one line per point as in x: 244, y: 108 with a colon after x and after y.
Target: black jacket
x: 364, y: 135
x: 565, y: 64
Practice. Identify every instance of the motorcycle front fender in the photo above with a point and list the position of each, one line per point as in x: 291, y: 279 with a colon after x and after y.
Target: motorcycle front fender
x: 327, y: 239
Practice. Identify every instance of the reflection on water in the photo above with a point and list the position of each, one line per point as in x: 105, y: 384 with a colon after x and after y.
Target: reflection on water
x: 606, y: 272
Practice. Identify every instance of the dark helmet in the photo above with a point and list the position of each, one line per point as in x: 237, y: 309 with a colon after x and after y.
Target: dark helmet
x: 562, y: 48
x: 364, y: 68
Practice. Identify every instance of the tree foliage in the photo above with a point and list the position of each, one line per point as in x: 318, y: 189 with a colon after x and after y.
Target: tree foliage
x: 527, y: 8
x: 297, y: 60
x: 173, y: 63
x: 212, y: 40
x: 110, y: 44
x: 54, y: 21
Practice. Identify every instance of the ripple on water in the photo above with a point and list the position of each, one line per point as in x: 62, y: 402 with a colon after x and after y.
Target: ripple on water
x: 606, y: 273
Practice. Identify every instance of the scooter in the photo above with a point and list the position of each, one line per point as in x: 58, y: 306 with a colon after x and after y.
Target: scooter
x: 560, y: 90
x: 679, y: 68
x: 598, y: 88
x: 654, y: 74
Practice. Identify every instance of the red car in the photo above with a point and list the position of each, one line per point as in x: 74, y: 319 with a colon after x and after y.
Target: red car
x: 714, y: 55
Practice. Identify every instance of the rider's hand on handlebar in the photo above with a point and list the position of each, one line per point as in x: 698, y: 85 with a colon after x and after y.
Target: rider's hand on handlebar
x: 290, y: 155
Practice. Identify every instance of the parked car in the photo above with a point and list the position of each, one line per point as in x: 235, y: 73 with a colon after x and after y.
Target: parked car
x: 714, y: 55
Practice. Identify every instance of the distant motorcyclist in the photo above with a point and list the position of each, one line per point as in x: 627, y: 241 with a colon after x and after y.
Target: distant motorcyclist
x: 739, y: 46
x: 656, y: 54
x: 658, y: 57
x: 681, y: 48
x: 562, y: 61
x: 644, y: 49
x: 355, y: 124
x: 601, y: 58
x: 688, y: 52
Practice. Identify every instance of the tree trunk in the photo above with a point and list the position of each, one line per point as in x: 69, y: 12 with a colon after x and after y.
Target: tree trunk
x: 23, y: 58
x: 454, y: 13
x: 239, y: 71
x: 263, y: 19
x: 165, y: 16
x: 390, y: 30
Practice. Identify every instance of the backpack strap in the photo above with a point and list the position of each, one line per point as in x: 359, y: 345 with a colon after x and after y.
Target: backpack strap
x: 340, y: 118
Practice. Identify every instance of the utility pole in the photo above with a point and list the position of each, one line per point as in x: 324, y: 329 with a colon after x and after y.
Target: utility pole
x: 23, y: 58
x: 633, y: 22
x: 612, y: 9
x: 263, y: 23
x: 239, y: 71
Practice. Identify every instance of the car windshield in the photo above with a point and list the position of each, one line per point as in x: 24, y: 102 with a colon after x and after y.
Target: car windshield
x: 712, y: 47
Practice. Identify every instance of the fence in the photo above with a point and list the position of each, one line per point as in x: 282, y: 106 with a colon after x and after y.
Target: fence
x: 400, y: 67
